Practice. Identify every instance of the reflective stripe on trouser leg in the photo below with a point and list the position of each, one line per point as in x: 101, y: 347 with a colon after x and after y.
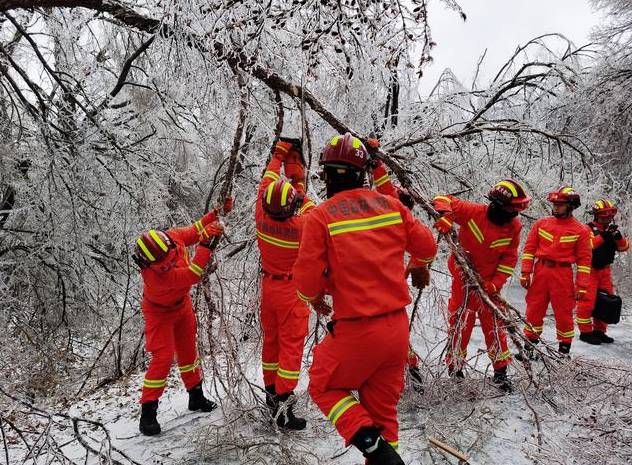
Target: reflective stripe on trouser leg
x: 584, y: 310
x: 562, y: 291
x: 160, y: 343
x: 495, y: 337
x: 537, y: 302
x: 189, y: 365
x: 460, y: 323
x: 269, y: 326
x: 340, y: 365
x: 292, y: 333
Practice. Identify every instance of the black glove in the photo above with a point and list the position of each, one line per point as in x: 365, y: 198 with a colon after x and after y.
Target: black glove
x: 406, y: 198
x: 613, y: 230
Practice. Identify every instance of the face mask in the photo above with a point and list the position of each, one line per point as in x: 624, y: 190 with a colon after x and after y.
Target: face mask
x: 499, y: 215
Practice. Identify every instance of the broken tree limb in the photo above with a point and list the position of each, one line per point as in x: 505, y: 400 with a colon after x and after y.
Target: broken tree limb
x: 450, y: 450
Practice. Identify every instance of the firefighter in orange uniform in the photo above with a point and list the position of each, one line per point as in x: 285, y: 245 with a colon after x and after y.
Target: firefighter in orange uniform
x: 606, y: 241
x: 280, y: 214
x: 170, y: 325
x: 553, y: 245
x: 490, y: 234
x: 353, y: 245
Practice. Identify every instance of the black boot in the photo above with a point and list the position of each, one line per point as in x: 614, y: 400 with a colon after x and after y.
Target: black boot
x: 148, y: 424
x: 590, y: 338
x: 501, y: 380
x: 271, y: 397
x: 454, y: 373
x: 603, y: 337
x: 375, y: 448
x: 197, y: 401
x: 416, y: 379
x: 283, y: 411
x: 565, y: 348
x: 528, y: 351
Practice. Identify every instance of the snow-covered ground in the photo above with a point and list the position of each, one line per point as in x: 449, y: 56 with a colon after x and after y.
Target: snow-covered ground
x: 568, y: 418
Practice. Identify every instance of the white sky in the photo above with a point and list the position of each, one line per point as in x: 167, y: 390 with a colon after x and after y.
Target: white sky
x: 500, y: 26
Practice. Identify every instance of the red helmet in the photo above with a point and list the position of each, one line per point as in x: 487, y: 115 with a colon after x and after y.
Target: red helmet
x: 604, y: 208
x: 565, y: 194
x: 346, y: 152
x: 152, y: 247
x: 280, y: 199
x: 509, y: 194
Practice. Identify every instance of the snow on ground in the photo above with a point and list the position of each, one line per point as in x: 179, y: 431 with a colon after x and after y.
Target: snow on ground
x: 471, y: 415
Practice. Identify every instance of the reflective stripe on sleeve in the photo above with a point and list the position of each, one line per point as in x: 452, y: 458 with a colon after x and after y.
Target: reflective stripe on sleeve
x: 196, y: 269
x: 288, y: 374
x: 505, y: 269
x: 583, y: 269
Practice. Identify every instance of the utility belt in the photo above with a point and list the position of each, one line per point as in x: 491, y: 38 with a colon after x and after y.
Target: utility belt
x: 174, y: 306
x: 332, y: 323
x: 277, y: 277
x: 553, y: 263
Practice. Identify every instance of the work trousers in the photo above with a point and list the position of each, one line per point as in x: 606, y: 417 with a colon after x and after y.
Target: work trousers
x: 357, y: 375
x: 599, y: 279
x: 170, y: 333
x: 284, y: 321
x: 463, y: 308
x: 554, y: 285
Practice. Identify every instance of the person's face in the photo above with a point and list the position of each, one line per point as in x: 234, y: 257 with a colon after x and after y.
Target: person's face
x: 560, y: 209
x: 604, y: 219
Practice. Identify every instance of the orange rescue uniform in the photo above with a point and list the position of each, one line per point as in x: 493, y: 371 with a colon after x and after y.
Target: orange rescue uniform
x: 170, y: 324
x: 553, y: 245
x: 604, y: 248
x: 353, y: 245
x: 493, y: 252
x: 284, y: 317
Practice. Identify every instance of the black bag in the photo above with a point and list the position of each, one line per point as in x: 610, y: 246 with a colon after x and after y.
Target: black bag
x: 607, y: 307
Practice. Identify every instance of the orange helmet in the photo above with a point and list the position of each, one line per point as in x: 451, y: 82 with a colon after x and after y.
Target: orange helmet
x: 509, y: 194
x: 152, y: 247
x: 345, y: 152
x: 604, y: 208
x: 565, y: 194
x: 280, y: 199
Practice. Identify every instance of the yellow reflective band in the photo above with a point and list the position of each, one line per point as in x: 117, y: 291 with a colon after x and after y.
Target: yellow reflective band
x: 198, y: 226
x: 303, y: 297
x: 499, y: 357
x: 545, y: 234
x: 476, y: 231
x: 528, y: 256
x: 155, y: 383
x: 505, y: 269
x: 145, y: 250
x: 500, y: 242
x: 509, y: 186
x: 599, y: 204
x: 269, y: 193
x: 533, y: 329
x: 188, y: 368
x: 381, y: 180
x: 425, y: 260
x: 569, y: 238
x: 566, y: 334
x: 365, y: 224
x: 278, y: 242
x: 288, y: 374
x: 154, y: 235
x: 442, y: 197
x: 341, y: 407
x: 272, y: 175
x: 355, y: 143
x: 270, y: 366
x: 583, y: 321
x: 583, y: 269
x: 394, y: 445
x: 566, y: 190
x: 286, y: 188
x: 196, y: 269
x: 335, y: 140
x: 307, y: 206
